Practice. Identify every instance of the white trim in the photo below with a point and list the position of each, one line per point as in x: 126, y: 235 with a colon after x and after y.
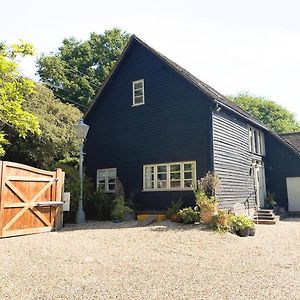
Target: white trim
x: 106, y: 178
x: 256, y: 140
x: 134, y: 89
x: 168, y: 165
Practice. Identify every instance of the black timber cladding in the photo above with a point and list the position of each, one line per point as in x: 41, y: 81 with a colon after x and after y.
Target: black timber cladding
x: 173, y: 125
x: 232, y: 159
x: 280, y: 163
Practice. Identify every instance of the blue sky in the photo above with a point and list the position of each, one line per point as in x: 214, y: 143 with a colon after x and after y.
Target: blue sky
x: 232, y: 45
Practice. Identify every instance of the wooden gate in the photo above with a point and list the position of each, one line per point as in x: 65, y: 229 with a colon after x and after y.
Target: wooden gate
x: 30, y: 199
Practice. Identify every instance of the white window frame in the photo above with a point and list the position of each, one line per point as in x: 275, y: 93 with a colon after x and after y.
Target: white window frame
x: 169, y: 188
x: 107, y: 183
x: 134, y: 89
x: 256, y: 140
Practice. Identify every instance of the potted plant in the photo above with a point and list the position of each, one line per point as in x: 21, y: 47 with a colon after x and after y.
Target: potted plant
x: 270, y: 201
x: 119, y: 209
x: 174, y: 209
x: 205, y: 192
x: 208, y: 206
x: 189, y: 215
x: 223, y: 218
x: 241, y: 225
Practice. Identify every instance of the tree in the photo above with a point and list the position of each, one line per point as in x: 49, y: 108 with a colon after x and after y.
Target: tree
x: 77, y: 70
x: 13, y: 89
x: 268, y: 112
x: 57, y: 141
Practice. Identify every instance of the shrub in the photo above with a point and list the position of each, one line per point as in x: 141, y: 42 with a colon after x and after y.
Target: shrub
x: 100, y: 206
x: 189, y: 215
x: 240, y: 222
x: 120, y: 209
x: 174, y: 207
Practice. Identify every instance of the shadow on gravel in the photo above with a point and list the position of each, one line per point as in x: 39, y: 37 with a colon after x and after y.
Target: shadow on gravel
x: 157, y: 226
x: 291, y: 219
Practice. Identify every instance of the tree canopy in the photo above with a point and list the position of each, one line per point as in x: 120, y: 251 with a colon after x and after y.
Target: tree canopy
x: 268, y: 112
x: 57, y: 140
x: 76, y: 71
x: 13, y: 89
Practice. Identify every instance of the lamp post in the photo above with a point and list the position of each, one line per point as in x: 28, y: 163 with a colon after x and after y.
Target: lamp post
x: 81, y: 130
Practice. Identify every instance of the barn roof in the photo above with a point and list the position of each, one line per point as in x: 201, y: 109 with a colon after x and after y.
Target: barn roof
x: 292, y: 138
x: 212, y: 94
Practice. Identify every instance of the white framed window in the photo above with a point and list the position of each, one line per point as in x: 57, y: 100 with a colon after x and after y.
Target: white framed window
x: 106, y: 179
x: 256, y: 141
x: 138, y: 92
x: 169, y: 176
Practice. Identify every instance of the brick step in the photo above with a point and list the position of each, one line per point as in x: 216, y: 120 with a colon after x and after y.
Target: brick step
x: 266, y: 210
x: 264, y: 217
x: 266, y: 222
x: 259, y: 214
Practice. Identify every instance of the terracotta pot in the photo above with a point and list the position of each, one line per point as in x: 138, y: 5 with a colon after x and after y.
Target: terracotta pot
x: 223, y: 221
x: 174, y: 217
x: 207, y: 217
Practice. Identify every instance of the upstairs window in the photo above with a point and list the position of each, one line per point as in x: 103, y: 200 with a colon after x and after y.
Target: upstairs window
x: 106, y: 179
x: 138, y: 93
x: 170, y: 176
x: 256, y: 141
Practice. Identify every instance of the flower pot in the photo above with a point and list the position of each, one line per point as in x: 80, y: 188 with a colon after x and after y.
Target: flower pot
x: 252, y: 232
x: 173, y: 217
x: 243, y: 232
x: 178, y: 219
x: 207, y: 217
x: 223, y: 221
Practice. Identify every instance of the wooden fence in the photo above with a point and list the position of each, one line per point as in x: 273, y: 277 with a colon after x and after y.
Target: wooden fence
x: 30, y: 199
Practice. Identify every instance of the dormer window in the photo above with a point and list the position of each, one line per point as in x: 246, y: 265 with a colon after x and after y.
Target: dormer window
x: 138, y: 93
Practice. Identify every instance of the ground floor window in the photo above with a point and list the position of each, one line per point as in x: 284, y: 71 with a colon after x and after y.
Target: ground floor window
x: 170, y: 176
x: 106, y: 179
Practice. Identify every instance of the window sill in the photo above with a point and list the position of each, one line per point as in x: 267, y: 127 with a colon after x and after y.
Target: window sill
x: 169, y: 190
x: 134, y: 105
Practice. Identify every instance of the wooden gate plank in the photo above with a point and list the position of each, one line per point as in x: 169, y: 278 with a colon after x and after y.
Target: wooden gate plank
x: 1, y: 200
x: 23, y: 182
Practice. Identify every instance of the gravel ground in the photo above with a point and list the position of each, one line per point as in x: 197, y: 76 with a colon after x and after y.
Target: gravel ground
x: 104, y: 260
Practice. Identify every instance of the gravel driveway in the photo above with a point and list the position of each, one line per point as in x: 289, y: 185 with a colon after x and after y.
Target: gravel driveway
x: 165, y: 261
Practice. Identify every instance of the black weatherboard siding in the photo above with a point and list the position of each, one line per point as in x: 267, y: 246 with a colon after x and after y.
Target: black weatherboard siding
x: 232, y: 159
x: 173, y: 125
x: 281, y: 162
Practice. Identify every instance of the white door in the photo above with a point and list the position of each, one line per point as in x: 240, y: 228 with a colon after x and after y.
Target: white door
x: 293, y: 190
x: 259, y: 181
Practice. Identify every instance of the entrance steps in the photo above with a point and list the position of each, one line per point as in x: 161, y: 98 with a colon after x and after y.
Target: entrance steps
x: 265, y: 216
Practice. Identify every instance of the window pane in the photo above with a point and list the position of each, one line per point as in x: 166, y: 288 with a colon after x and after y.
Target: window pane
x: 188, y: 167
x: 175, y: 184
x: 188, y: 175
x: 138, y: 100
x: 149, y: 184
x: 111, y: 173
x: 162, y: 176
x: 175, y: 168
x: 138, y: 85
x: 187, y: 183
x: 162, y: 169
x: 149, y: 177
x: 101, y: 186
x: 162, y: 184
x: 138, y: 93
x: 111, y: 180
x: 175, y: 176
x: 111, y: 187
x: 149, y: 169
x: 101, y: 173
